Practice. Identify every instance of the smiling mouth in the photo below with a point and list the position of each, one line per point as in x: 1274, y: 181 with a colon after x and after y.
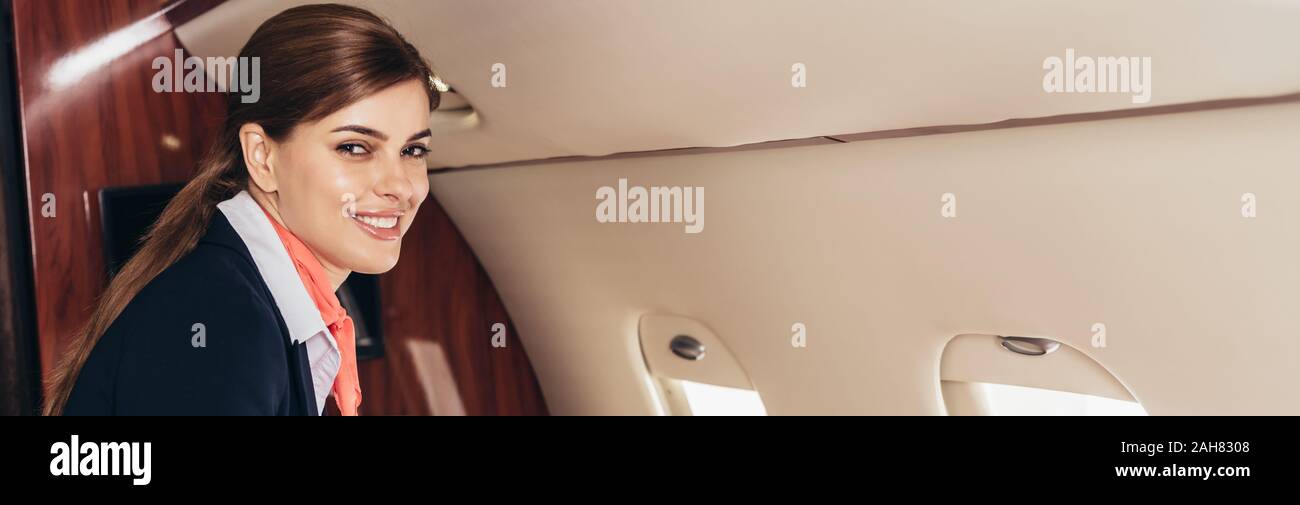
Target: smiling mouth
x: 380, y: 225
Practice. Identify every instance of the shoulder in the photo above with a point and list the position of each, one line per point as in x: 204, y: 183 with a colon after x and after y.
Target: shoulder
x: 210, y: 282
x: 204, y: 336
x: 211, y: 289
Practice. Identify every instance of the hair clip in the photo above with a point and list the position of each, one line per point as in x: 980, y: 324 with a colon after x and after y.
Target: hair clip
x: 437, y: 84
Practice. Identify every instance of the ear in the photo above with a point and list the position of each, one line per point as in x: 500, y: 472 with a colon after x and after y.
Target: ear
x: 258, y: 149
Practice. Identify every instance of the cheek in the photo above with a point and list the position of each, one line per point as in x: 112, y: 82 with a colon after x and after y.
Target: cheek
x: 421, y: 185
x: 337, y: 180
x: 319, y: 192
x: 419, y: 193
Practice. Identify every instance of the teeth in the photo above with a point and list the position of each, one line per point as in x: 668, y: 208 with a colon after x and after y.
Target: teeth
x: 378, y: 222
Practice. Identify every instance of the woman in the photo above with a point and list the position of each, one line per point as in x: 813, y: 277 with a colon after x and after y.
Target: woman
x: 229, y: 306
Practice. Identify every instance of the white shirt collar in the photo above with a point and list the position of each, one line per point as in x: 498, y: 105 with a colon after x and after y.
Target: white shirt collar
x: 272, y: 259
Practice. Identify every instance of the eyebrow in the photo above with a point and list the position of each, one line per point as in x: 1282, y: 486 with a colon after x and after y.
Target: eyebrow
x: 371, y: 132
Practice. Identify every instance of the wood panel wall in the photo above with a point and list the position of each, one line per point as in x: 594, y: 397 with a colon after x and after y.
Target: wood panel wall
x: 19, y: 374
x: 109, y: 128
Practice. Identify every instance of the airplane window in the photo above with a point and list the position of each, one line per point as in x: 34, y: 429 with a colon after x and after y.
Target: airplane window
x: 710, y: 400
x: 1005, y: 400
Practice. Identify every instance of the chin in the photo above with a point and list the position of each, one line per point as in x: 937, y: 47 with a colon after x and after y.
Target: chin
x: 375, y: 265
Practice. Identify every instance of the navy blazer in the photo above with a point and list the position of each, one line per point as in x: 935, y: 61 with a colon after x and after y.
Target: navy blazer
x: 147, y: 363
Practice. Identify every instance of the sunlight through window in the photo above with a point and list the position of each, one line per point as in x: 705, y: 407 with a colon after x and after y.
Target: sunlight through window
x: 1004, y: 400
x: 710, y: 400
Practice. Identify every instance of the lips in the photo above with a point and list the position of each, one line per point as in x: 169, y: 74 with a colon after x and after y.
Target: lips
x: 379, y: 224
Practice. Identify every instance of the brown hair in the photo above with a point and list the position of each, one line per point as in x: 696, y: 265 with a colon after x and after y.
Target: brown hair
x: 314, y: 60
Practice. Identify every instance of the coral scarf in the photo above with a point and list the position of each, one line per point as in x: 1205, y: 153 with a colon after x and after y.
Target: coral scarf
x: 347, y: 388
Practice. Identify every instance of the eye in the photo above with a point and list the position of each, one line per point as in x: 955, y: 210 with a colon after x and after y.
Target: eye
x: 352, y: 150
x: 415, y: 151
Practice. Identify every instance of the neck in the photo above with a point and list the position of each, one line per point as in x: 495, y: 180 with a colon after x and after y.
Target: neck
x: 336, y: 274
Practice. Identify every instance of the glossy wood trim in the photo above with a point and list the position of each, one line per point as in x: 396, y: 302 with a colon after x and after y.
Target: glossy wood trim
x: 19, y: 372
x: 106, y: 128
x: 439, y: 309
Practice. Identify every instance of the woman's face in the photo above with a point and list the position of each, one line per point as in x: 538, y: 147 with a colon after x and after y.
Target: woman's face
x: 349, y: 185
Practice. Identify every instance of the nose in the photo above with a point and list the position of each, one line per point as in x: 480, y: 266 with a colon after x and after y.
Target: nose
x: 395, y: 184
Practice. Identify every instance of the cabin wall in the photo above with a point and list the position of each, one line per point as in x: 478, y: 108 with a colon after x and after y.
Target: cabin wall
x: 1135, y: 224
